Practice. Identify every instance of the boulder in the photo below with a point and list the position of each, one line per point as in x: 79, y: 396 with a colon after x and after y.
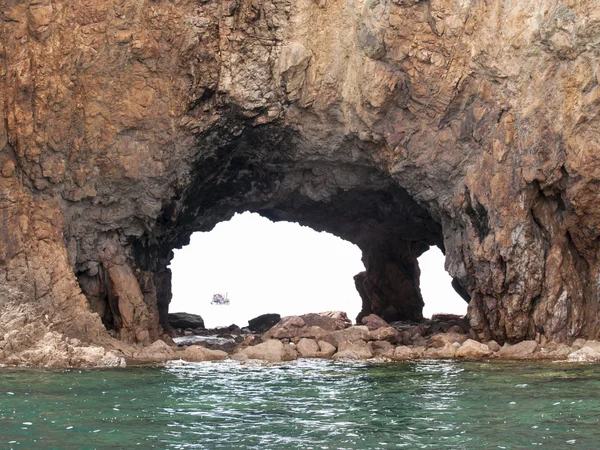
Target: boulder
x: 402, y: 352
x: 384, y: 334
x: 522, y: 350
x: 263, y: 322
x: 373, y: 321
x: 308, y: 348
x: 579, y: 343
x: 471, y: 349
x: 54, y: 350
x: 325, y: 322
x: 95, y: 357
x: 158, y: 351
x: 382, y: 349
x: 352, y: 334
x: 404, y: 338
x: 272, y: 350
x: 338, y: 315
x: 287, y: 328
x: 442, y: 339
x: 294, y: 328
x: 592, y: 344
x: 455, y: 329
x: 447, y: 351
x: 185, y: 320
x: 225, y: 344
x: 585, y: 354
x: 356, y: 349
x: 418, y: 341
x: 326, y: 350
x: 553, y: 350
x: 197, y: 353
x: 493, y: 346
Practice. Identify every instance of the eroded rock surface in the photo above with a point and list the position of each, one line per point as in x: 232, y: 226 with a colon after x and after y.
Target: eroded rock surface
x: 127, y: 125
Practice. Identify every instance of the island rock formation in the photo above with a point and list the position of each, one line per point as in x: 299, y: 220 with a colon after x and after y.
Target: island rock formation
x: 127, y: 125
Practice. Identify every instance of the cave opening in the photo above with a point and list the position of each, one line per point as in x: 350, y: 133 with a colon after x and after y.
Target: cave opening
x: 284, y: 268
x: 131, y: 286
x: 264, y: 267
x: 439, y: 295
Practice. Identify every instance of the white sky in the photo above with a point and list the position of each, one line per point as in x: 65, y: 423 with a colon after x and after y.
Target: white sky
x: 283, y: 268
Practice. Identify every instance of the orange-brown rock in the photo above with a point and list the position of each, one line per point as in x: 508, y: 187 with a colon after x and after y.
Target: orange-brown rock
x: 126, y: 126
x: 197, y: 353
x: 471, y: 349
x: 272, y: 350
x: 357, y: 349
x: 522, y: 350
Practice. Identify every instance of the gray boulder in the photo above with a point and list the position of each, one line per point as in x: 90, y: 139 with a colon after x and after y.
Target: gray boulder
x: 263, y: 322
x: 185, y: 320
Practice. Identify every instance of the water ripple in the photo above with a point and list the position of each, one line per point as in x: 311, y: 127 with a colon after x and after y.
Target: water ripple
x: 307, y: 404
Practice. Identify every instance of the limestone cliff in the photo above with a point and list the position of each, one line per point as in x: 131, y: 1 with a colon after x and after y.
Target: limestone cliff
x: 126, y: 125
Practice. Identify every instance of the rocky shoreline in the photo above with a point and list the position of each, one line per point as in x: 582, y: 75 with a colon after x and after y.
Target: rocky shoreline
x: 331, y: 335
x: 327, y: 335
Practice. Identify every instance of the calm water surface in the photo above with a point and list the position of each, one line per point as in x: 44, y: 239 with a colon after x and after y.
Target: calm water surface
x: 304, y: 405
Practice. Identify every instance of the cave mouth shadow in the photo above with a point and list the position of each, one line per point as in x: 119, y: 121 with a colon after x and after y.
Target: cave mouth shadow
x: 391, y: 230
x: 259, y: 171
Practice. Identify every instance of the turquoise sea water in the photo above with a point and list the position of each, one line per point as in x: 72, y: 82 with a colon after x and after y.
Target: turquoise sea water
x: 304, y: 405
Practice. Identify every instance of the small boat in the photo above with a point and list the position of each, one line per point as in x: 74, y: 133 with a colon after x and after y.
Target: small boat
x: 218, y: 299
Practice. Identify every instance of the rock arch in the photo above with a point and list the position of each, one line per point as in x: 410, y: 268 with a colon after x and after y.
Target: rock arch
x: 126, y: 126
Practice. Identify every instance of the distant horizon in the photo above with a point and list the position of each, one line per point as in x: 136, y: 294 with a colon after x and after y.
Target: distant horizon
x: 283, y: 268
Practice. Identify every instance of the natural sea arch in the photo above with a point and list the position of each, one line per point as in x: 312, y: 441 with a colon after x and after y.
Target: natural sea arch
x: 396, y: 125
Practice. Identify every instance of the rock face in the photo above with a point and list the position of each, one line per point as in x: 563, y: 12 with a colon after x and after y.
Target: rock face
x: 127, y: 125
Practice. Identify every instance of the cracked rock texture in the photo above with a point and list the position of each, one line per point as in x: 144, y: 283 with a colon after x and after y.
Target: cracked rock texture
x: 126, y: 125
